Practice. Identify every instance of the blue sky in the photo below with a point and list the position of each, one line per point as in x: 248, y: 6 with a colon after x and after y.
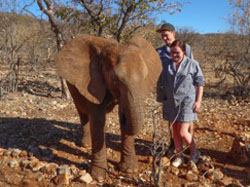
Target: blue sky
x: 203, y: 16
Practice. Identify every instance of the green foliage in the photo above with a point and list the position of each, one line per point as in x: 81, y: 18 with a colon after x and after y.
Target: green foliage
x: 112, y: 18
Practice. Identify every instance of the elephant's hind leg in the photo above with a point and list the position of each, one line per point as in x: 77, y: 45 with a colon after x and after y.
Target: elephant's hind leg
x: 128, y: 163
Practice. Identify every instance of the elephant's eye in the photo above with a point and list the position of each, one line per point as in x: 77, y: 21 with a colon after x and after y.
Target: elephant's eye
x: 115, y: 80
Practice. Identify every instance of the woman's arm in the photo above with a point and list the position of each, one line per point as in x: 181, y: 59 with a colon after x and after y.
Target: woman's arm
x: 199, y: 94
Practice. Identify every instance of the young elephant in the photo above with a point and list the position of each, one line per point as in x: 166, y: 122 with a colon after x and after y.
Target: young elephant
x: 101, y: 73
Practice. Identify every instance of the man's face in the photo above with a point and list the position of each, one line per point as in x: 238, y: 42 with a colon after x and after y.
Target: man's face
x: 177, y: 54
x: 168, y: 37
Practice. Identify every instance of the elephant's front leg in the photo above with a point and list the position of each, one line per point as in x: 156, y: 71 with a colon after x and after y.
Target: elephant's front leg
x: 86, y: 139
x: 98, y: 168
x: 129, y: 163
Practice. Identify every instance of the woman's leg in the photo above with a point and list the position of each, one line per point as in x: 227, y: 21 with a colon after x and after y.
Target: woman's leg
x: 178, y: 142
x: 187, y: 136
x: 178, y: 145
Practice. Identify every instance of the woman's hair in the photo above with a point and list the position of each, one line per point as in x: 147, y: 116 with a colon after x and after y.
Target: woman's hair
x: 180, y: 44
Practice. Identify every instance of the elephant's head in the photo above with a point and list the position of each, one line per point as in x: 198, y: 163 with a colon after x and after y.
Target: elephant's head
x: 128, y: 71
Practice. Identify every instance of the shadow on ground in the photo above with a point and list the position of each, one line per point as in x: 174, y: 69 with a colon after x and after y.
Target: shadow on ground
x: 39, y: 136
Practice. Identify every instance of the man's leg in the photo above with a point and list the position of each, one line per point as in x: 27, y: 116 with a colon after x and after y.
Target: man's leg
x: 171, y: 148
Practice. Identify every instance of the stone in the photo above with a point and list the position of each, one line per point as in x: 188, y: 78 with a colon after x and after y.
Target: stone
x: 150, y: 159
x: 64, y: 169
x: 23, y: 154
x: 50, y: 169
x: 2, y: 151
x: 15, y: 153
x: 24, y: 163
x: 86, y: 178
x: 165, y: 162
x: 218, y: 174
x: 192, y: 166
x: 239, y: 151
x: 225, y: 181
x: 61, y: 179
x: 37, y: 166
x: 7, y: 152
x: 190, y: 176
x: 74, y: 170
x: 13, y: 163
x: 175, y: 171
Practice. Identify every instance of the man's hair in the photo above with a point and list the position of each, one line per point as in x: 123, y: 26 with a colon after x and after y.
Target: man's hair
x: 180, y: 44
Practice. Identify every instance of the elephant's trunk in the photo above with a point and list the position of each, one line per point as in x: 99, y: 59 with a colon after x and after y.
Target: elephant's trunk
x: 131, y: 116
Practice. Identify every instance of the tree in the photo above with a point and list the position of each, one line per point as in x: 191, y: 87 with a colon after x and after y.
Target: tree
x: 47, y: 7
x: 117, y: 19
x: 14, y: 37
x: 235, y: 48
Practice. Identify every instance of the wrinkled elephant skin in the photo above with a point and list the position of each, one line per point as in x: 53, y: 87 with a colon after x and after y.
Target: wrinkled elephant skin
x: 100, y: 74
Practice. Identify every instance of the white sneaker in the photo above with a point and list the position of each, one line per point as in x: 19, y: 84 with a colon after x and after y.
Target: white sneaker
x: 177, y: 162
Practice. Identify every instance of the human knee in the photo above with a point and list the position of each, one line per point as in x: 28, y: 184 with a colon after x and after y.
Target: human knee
x: 184, y: 132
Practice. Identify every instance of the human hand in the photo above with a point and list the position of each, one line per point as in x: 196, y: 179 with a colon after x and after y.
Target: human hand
x: 197, y: 106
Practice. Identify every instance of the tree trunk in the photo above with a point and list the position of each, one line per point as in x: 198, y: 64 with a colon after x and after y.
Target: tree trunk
x: 65, y: 90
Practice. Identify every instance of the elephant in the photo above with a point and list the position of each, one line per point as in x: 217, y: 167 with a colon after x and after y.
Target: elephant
x: 100, y: 74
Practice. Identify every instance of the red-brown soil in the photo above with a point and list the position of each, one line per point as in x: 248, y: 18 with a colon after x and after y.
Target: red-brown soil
x: 37, y: 126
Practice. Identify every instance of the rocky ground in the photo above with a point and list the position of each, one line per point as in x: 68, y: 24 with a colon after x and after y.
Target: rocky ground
x: 40, y: 133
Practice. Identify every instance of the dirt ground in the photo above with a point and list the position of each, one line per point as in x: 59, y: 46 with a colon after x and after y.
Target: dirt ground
x: 40, y: 133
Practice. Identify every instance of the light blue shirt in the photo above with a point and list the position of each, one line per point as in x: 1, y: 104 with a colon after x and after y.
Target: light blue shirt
x: 165, y: 53
x: 181, y: 83
x: 178, y: 88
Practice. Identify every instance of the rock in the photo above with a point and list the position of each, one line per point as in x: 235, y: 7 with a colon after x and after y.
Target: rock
x: 61, y: 179
x: 150, y: 159
x: 7, y: 152
x: 218, y: 175
x: 225, y: 181
x: 53, y: 103
x: 64, y: 169
x: 239, y: 151
x: 29, y: 183
x: 74, y: 170
x: 15, y: 153
x: 2, y: 151
x: 192, y: 166
x: 165, y: 162
x: 205, y: 164
x: 175, y: 171
x: 13, y: 163
x: 40, y: 177
x: 190, y: 176
x: 23, y: 154
x: 210, y: 174
x: 37, y: 166
x: 50, y: 169
x: 86, y: 178
x: 24, y: 163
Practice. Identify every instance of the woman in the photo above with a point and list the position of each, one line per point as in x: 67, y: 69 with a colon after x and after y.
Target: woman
x: 182, y: 81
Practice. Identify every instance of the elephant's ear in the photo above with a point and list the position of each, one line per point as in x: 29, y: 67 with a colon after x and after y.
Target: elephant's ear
x: 151, y: 59
x: 78, y: 63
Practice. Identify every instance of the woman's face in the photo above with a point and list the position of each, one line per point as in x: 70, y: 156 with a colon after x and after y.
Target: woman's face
x: 177, y: 54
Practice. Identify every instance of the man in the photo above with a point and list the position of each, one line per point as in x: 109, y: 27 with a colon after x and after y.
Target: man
x: 167, y: 32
